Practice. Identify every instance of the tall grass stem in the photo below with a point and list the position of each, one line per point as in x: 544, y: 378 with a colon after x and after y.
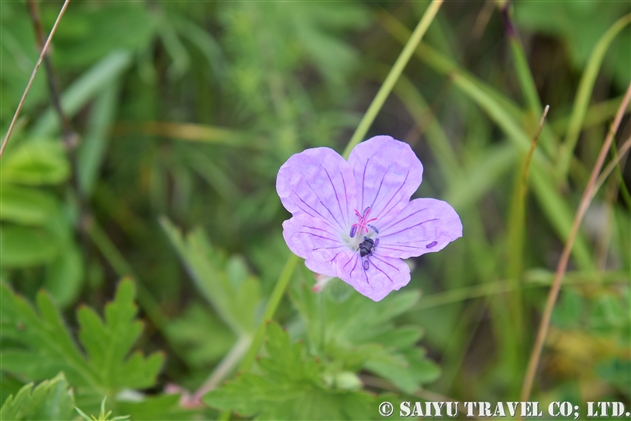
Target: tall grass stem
x: 561, y: 267
x: 393, y: 76
x: 30, y: 81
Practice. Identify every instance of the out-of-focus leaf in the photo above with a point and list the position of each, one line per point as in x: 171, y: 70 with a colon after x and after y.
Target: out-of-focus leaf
x: 65, y: 274
x: 163, y: 407
x: 567, y: 312
x: 35, y: 163
x: 26, y: 205
x: 46, y: 345
x: 92, y: 30
x: 226, y: 283
x: 191, y: 332
x: 290, y: 387
x: 49, y: 400
x: 92, y: 150
x: 26, y: 246
x: 17, y: 41
x: 579, y: 25
x: 482, y: 177
x: 407, y: 371
x: 94, y: 80
x: 584, y: 92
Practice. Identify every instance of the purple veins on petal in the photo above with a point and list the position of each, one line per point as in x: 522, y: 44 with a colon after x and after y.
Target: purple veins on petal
x: 422, y: 223
x: 383, y: 276
x: 387, y: 173
x: 322, y: 191
x: 319, y: 182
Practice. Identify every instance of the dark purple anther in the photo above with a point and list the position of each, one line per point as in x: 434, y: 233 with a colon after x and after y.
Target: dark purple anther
x: 432, y: 244
x: 353, y: 231
x: 376, y: 242
x: 373, y: 227
x: 366, y: 264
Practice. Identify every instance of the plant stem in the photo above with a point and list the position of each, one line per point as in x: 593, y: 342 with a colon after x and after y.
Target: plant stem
x: 30, y: 81
x: 360, y: 132
x: 392, y: 77
x: 270, y: 309
x: 556, y: 285
x: 224, y: 367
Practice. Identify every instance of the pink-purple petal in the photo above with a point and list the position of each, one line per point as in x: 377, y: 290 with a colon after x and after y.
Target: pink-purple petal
x: 315, y: 241
x: 387, y: 173
x: 424, y: 226
x: 319, y: 183
x: 384, y: 274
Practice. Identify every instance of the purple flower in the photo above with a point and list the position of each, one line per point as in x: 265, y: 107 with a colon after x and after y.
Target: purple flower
x: 354, y: 220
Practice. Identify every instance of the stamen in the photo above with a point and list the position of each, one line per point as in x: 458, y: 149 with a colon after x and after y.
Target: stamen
x: 432, y: 244
x: 366, y: 264
x: 376, y: 242
x: 353, y: 230
x: 363, y: 223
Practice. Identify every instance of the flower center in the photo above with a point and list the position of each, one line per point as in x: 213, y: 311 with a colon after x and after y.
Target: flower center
x: 363, y: 223
x: 364, y: 244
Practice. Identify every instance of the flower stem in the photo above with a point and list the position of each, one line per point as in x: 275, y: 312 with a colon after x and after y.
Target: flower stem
x: 270, y: 309
x: 393, y: 76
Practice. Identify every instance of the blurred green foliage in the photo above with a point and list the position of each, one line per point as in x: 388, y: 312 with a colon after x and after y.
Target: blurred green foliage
x: 186, y: 110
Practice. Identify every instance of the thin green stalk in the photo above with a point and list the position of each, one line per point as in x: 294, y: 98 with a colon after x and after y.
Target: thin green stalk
x: 359, y: 134
x: 565, y: 255
x: 584, y: 93
x: 427, y: 123
x: 393, y: 76
x: 524, y: 76
x: 515, y: 251
x: 596, y: 115
x: 533, y: 279
x: 270, y: 309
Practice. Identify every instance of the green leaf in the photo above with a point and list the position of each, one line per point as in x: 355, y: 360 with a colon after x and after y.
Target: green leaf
x: 91, y: 152
x: 46, y: 345
x: 49, y: 400
x: 360, y: 333
x: 108, y: 343
x: 407, y: 370
x: 92, y: 82
x: 226, y: 283
x: 26, y: 206
x: 190, y: 332
x: 64, y: 275
x: 35, y: 163
x: 87, y: 35
x: 26, y: 246
x: 290, y: 387
x: 163, y: 408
